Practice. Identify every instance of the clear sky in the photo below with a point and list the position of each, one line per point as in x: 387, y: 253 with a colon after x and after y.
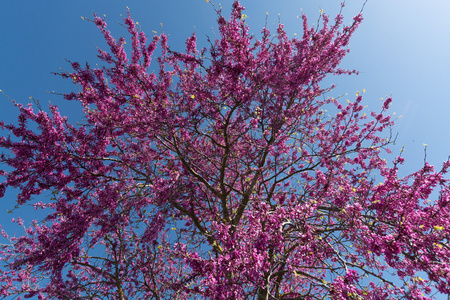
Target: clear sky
x: 402, y: 48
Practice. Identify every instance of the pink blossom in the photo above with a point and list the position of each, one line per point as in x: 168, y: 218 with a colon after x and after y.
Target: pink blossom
x: 219, y: 176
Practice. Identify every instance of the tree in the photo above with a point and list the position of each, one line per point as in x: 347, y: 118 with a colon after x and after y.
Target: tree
x: 228, y: 174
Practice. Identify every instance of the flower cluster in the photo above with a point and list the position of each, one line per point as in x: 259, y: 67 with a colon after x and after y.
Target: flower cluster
x: 221, y: 176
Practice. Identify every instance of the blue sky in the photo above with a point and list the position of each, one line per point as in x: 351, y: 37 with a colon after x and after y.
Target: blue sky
x: 402, y: 48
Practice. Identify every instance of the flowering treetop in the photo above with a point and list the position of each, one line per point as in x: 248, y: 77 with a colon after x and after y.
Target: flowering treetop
x: 221, y: 176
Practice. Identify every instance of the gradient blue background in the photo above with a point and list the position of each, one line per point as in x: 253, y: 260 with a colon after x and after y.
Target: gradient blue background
x: 402, y: 48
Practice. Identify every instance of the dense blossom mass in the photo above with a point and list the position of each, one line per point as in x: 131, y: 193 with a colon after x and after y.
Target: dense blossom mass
x: 228, y: 173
